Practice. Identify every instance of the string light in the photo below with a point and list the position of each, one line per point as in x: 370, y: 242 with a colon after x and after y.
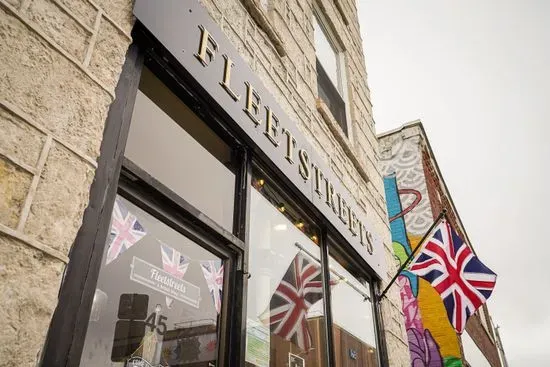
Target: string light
x: 300, y: 224
x: 314, y: 238
x: 281, y: 207
x: 261, y: 182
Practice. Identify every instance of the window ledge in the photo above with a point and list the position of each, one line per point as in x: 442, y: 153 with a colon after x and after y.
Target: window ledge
x: 342, y: 12
x: 341, y: 137
x: 259, y: 15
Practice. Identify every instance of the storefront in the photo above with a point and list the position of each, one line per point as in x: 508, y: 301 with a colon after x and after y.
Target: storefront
x: 215, y: 234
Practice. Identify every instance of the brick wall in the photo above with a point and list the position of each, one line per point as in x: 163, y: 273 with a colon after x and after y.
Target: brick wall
x: 483, y: 337
x: 59, y: 66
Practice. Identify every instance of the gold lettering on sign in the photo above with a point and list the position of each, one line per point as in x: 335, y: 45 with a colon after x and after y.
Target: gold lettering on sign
x: 207, y: 47
x: 329, y: 192
x: 290, y: 145
x: 304, y: 164
x: 253, y: 102
x: 370, y: 240
x: 352, y: 221
x: 226, y: 82
x: 361, y: 233
x: 365, y: 238
x: 318, y: 177
x: 342, y: 209
x: 271, y: 126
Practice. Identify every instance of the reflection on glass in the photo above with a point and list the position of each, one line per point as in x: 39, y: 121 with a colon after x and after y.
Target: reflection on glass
x: 285, y: 309
x: 352, y: 317
x: 158, y: 296
x: 177, y: 148
x: 326, y: 54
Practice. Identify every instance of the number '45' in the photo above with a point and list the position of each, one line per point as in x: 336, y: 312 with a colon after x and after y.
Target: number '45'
x: 155, y: 323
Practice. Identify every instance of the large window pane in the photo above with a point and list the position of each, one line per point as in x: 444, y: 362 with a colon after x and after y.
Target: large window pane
x: 326, y: 54
x: 173, y: 145
x: 158, y: 296
x: 285, y: 314
x: 352, y: 317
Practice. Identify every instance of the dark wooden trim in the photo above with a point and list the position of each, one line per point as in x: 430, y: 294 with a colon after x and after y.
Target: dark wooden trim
x: 65, y: 338
x: 383, y: 359
x: 237, y: 329
x: 329, y: 335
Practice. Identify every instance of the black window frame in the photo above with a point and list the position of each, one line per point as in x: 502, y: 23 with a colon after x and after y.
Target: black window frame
x: 118, y: 175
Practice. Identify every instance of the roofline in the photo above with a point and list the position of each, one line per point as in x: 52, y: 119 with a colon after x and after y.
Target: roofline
x: 418, y: 123
x: 406, y: 125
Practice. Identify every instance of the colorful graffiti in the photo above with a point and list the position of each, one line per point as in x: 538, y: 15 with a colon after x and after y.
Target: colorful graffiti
x: 432, y: 341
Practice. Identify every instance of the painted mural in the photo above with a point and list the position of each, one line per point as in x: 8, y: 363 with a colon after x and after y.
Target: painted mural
x: 432, y: 340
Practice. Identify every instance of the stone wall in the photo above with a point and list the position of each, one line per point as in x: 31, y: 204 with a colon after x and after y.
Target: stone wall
x: 59, y: 66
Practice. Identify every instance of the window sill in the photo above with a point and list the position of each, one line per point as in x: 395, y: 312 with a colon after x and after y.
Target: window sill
x: 259, y: 15
x: 341, y: 137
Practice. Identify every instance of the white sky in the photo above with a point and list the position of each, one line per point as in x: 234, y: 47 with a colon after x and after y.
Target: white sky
x: 477, y: 73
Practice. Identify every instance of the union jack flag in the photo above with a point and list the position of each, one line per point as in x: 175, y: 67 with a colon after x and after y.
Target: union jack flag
x: 213, y: 273
x: 461, y: 279
x: 126, y: 231
x: 300, y: 288
x: 173, y: 261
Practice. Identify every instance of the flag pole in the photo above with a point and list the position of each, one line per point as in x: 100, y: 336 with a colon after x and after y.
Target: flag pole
x: 442, y: 215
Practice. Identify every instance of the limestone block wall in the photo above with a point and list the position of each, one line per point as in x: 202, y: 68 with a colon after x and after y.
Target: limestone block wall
x: 59, y: 65
x: 275, y: 37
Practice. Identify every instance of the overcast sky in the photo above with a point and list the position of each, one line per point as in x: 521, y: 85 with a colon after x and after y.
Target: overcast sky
x: 477, y: 73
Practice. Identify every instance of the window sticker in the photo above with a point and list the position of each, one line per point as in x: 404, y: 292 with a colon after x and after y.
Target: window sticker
x: 162, y: 281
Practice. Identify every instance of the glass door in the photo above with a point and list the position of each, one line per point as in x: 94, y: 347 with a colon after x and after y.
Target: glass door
x: 158, y: 296
x: 158, y: 300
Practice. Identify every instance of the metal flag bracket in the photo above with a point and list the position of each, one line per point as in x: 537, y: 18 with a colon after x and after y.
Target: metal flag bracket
x: 441, y: 216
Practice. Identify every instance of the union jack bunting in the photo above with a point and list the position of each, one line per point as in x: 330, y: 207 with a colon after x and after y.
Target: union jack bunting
x: 461, y: 279
x: 300, y: 288
x: 213, y: 273
x: 126, y: 231
x: 173, y: 261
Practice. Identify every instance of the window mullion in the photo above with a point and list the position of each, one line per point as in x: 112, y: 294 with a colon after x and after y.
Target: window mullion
x: 329, y: 337
x: 238, y: 309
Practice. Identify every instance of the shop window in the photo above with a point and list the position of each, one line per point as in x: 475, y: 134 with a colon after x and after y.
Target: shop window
x: 158, y: 296
x: 352, y: 317
x: 330, y: 73
x: 177, y: 148
x: 285, y: 313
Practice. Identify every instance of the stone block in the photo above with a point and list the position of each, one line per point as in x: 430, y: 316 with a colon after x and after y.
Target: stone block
x: 108, y: 53
x: 120, y: 11
x: 60, y: 199
x: 82, y: 9
x: 29, y: 283
x: 58, y: 25
x: 48, y: 87
x: 14, y: 186
x: 19, y: 139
